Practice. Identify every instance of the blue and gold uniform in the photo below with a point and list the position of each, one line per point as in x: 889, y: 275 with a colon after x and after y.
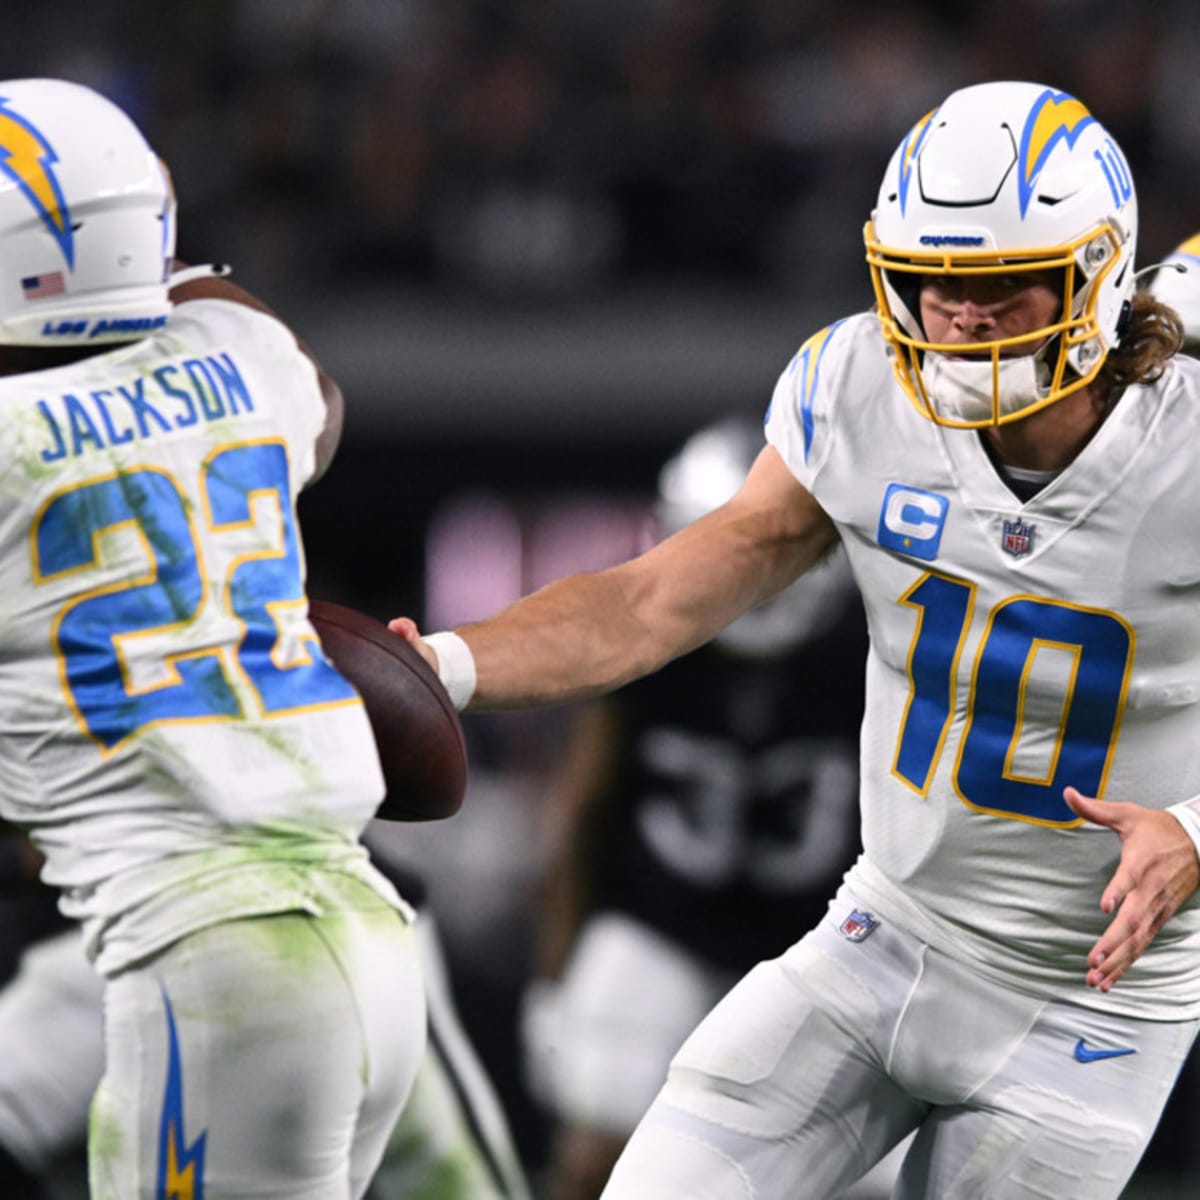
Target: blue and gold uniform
x: 172, y: 738
x: 1003, y: 449
x: 1016, y: 647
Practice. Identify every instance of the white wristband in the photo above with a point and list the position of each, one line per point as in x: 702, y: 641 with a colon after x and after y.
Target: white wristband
x: 1188, y: 816
x: 456, y: 666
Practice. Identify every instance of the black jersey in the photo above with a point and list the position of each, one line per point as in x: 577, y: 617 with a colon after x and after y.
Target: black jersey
x: 738, y: 790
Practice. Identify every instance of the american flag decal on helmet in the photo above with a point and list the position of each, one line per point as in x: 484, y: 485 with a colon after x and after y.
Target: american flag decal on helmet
x: 34, y: 287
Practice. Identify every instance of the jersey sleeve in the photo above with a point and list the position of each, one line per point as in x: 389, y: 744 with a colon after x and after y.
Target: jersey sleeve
x: 800, y: 418
x: 291, y: 385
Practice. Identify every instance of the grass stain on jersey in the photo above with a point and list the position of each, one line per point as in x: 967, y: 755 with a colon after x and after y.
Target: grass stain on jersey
x: 106, y: 1147
x: 180, y: 1167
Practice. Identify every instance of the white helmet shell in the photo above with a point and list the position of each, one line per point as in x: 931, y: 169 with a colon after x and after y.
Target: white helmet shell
x: 87, y: 219
x: 1002, y: 178
x: 708, y: 469
x: 1177, y: 284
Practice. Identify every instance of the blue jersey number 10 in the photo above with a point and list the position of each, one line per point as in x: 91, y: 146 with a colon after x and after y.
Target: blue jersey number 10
x: 1043, y: 707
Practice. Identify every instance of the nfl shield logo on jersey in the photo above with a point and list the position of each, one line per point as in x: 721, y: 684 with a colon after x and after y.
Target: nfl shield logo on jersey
x: 858, y: 926
x: 1017, y: 538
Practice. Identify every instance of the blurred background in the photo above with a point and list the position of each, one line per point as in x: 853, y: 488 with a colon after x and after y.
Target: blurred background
x: 539, y: 242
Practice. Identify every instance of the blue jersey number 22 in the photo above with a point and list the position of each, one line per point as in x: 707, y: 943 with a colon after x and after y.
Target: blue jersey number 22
x: 1070, y: 724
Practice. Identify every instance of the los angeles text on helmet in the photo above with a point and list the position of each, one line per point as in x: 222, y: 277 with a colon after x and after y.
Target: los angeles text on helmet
x: 174, y: 397
x: 134, y: 326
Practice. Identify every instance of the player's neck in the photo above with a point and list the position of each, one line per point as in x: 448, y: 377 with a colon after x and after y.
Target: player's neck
x: 1053, y: 438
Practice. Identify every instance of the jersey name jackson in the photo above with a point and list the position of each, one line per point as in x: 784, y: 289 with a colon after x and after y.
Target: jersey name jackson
x: 175, y: 396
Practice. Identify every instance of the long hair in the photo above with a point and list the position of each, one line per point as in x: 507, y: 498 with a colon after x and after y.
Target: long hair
x: 1154, y: 336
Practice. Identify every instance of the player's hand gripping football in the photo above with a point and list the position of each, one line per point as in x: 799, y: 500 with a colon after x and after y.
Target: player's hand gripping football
x: 1157, y: 873
x: 406, y: 627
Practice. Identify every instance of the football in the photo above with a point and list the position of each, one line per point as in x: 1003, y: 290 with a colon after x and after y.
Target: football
x: 416, y: 727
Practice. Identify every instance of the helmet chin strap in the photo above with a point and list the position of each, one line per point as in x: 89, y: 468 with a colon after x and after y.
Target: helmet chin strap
x: 962, y: 389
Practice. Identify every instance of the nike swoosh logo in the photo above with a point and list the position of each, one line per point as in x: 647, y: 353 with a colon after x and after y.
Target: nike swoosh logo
x: 1085, y: 1054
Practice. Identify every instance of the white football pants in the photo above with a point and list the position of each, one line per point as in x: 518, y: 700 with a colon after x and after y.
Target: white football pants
x: 820, y: 1061
x: 267, y: 1057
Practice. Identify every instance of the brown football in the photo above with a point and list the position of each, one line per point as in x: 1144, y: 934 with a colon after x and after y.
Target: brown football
x: 417, y: 729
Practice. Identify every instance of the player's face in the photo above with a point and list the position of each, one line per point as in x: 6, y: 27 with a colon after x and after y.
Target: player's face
x: 962, y: 309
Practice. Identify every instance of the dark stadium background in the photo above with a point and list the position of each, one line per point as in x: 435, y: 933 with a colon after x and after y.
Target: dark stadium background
x: 540, y: 241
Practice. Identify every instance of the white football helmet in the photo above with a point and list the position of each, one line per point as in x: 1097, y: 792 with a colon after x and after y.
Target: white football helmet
x: 707, y: 470
x: 1177, y: 284
x: 1003, y: 179
x: 87, y: 219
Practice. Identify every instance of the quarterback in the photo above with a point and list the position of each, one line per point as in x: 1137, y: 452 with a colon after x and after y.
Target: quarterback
x: 1011, y: 970
x: 172, y: 740
x: 707, y: 812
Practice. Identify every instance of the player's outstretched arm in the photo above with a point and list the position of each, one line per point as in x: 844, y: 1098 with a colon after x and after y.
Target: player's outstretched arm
x: 590, y: 633
x: 1158, y: 871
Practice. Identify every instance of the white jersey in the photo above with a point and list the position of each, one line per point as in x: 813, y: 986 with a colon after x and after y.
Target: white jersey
x: 1015, y: 649
x: 170, y: 733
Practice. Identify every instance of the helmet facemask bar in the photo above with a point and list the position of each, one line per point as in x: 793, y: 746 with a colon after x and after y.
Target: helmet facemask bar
x: 1065, y: 355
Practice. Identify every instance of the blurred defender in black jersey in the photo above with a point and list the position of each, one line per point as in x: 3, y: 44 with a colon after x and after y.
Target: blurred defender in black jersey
x: 710, y: 810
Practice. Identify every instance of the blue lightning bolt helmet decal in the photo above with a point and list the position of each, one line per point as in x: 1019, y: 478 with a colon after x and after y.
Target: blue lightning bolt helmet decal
x: 28, y: 159
x: 908, y: 157
x: 1055, y: 117
x: 180, y: 1167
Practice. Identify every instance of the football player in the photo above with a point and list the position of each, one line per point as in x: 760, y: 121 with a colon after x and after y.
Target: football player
x: 706, y: 814
x: 195, y: 772
x: 1011, y: 971
x: 451, y: 1142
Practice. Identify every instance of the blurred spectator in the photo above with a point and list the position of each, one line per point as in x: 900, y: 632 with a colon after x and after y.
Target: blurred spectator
x: 545, y: 148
